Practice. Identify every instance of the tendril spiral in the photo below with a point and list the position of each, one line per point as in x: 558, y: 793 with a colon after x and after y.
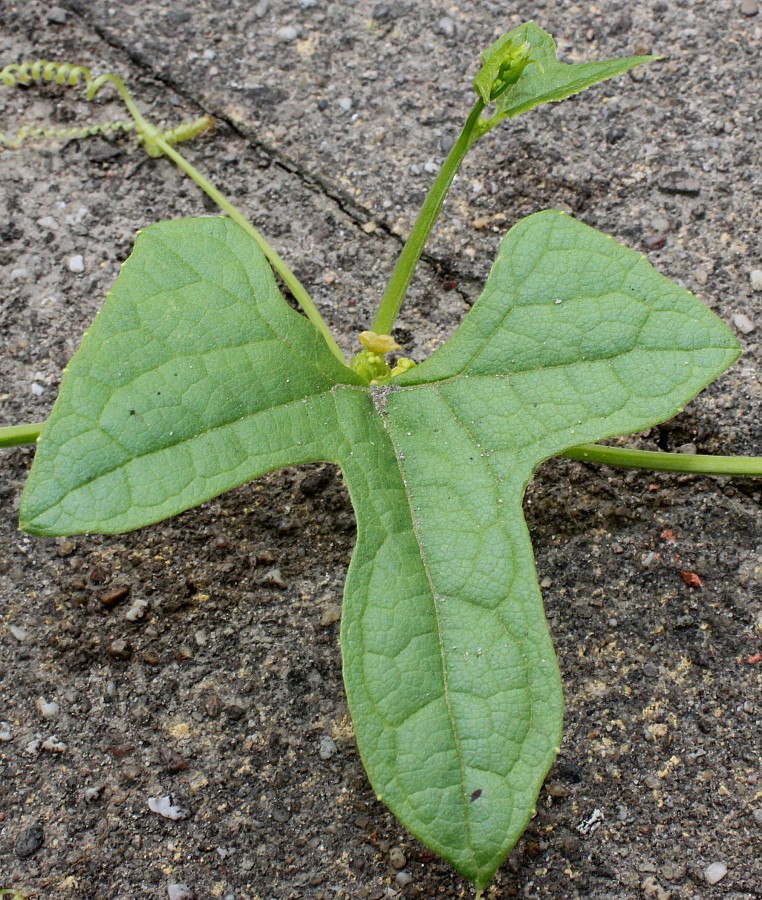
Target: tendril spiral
x: 70, y: 75
x: 61, y: 73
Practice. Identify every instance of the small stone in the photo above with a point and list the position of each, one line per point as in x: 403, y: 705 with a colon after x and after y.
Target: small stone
x: 327, y: 747
x: 53, y: 744
x: 76, y: 264
x: 274, y: 578
x: 172, y: 761
x: 755, y: 277
x: 651, y: 670
x: 556, y: 789
x: 92, y: 794
x: 370, y: 227
x: 403, y: 879
x: 120, y: 649
x: 37, y: 389
x: 446, y: 27
x: 616, y: 134
x: 652, y: 782
x: 165, y: 806
x: 5, y: 732
x: 383, y: 12
x: 45, y: 709
x: 344, y: 104
x: 679, y: 183
x: 137, y: 610
x: 18, y: 633
x: 546, y: 582
x: 749, y: 7
x: 756, y: 813
x: 654, y: 241
x: 56, y: 15
x: 397, y: 858
x: 715, y: 872
x: 115, y: 595
x: 743, y: 323
x: 179, y: 892
x: 29, y: 842
x: 286, y: 34
x: 331, y: 614
x: 652, y: 890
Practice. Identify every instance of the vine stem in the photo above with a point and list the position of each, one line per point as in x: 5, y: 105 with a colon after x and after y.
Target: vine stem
x: 688, y: 464
x: 17, y: 435
x: 411, y: 252
x: 276, y: 261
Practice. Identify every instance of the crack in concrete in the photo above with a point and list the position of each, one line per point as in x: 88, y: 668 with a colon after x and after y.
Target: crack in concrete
x: 355, y: 212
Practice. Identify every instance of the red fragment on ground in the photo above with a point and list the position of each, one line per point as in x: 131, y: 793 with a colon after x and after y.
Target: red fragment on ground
x: 690, y: 578
x: 653, y: 487
x: 751, y: 660
x: 668, y: 535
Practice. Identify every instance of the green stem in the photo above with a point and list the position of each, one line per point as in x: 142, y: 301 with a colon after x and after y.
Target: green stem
x: 411, y: 252
x: 689, y: 463
x: 16, y: 435
x: 289, y: 279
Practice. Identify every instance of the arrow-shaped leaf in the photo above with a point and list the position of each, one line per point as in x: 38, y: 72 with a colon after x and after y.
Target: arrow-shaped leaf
x: 196, y: 376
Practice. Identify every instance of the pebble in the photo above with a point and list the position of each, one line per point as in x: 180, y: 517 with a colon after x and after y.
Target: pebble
x: 274, y: 578
x: 327, y: 747
x: 755, y: 277
x: 29, y: 841
x: 179, y: 892
x: 56, y: 15
x: 45, y: 709
x: 403, y: 879
x: 5, y: 731
x: 654, y: 241
x: 137, y: 610
x: 92, y: 794
x: 749, y: 7
x: 715, y: 872
x: 331, y: 614
x: 120, y: 649
x: 446, y: 27
x: 756, y: 813
x: 166, y: 806
x: 397, y: 858
x: 18, y: 633
x: 344, y: 103
x: 287, y: 33
x: 743, y: 323
x: 76, y: 264
x: 37, y: 389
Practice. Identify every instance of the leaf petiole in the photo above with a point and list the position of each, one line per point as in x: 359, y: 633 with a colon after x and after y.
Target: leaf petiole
x: 17, y: 435
x: 411, y: 252
x: 687, y: 463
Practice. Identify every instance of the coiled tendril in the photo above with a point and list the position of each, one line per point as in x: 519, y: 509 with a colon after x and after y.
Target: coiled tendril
x: 69, y: 75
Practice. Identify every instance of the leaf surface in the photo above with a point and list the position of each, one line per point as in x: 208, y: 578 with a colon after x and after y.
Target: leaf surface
x: 545, y: 80
x: 196, y: 376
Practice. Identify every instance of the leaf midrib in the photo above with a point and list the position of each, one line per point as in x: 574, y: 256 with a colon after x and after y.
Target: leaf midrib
x: 440, y: 642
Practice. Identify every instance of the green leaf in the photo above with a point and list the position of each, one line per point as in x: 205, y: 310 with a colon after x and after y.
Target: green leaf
x: 194, y: 377
x: 544, y: 79
x: 450, y: 673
